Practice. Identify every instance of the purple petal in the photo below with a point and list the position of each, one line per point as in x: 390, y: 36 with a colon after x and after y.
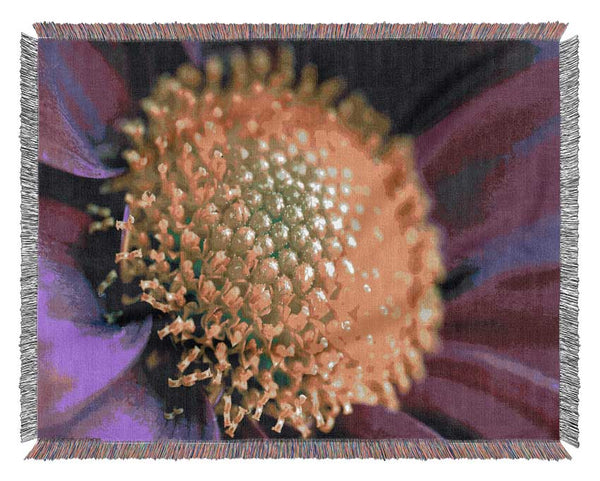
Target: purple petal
x: 128, y: 411
x: 377, y: 422
x: 80, y: 97
x: 126, y: 213
x: 79, y: 354
x: 210, y: 428
x: 548, y: 49
x: 529, y: 245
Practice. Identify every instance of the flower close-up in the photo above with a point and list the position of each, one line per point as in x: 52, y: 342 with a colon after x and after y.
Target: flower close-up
x: 296, y: 239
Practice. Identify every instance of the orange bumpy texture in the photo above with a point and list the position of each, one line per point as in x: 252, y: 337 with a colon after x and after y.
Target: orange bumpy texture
x: 284, y: 237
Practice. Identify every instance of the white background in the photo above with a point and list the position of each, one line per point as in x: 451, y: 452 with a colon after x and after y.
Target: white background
x: 18, y: 17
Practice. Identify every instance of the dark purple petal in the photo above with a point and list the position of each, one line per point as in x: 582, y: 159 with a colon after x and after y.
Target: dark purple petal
x: 488, y: 125
x: 251, y: 429
x: 378, y: 422
x: 493, y: 166
x: 194, y: 52
x: 493, y: 163
x: 547, y: 49
x: 544, y: 359
x: 128, y: 411
x: 79, y: 353
x: 536, y: 244
x: 516, y: 308
x: 525, y: 389
x: 476, y: 410
x: 81, y: 96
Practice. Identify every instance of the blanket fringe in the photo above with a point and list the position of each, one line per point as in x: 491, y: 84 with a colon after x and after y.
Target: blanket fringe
x: 569, y: 182
x: 224, y: 31
x: 29, y: 235
x: 320, y: 449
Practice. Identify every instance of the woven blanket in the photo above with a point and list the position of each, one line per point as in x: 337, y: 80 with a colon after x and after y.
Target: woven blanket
x: 299, y: 241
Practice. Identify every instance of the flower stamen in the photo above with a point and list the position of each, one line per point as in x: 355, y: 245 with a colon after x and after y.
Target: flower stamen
x: 247, y: 232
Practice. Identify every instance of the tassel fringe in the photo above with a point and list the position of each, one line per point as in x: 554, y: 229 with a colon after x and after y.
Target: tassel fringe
x: 348, y: 31
x: 29, y: 236
x: 569, y: 183
x: 319, y: 449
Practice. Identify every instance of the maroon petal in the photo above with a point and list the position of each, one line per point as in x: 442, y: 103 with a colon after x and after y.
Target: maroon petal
x: 485, y: 162
x: 61, y: 228
x: 377, y: 422
x: 493, y: 395
x: 251, y: 429
x: 128, y: 411
x: 80, y: 97
x: 79, y: 353
x: 498, y: 120
x: 516, y: 308
x: 544, y: 359
x: 476, y: 410
x: 525, y: 389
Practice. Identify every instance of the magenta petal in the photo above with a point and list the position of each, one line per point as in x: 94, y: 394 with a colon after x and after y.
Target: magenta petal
x: 377, y: 422
x: 80, y: 97
x: 128, y: 411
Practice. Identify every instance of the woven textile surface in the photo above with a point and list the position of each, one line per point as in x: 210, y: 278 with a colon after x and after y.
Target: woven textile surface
x: 299, y: 241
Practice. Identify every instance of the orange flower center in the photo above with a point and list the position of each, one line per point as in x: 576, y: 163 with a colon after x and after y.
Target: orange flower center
x: 284, y: 239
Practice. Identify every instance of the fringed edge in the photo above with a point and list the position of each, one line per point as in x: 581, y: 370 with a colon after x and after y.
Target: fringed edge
x: 569, y: 182
x: 29, y: 235
x: 224, y: 31
x: 320, y: 449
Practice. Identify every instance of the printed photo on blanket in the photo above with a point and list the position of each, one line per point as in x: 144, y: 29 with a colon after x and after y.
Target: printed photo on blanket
x: 298, y: 239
